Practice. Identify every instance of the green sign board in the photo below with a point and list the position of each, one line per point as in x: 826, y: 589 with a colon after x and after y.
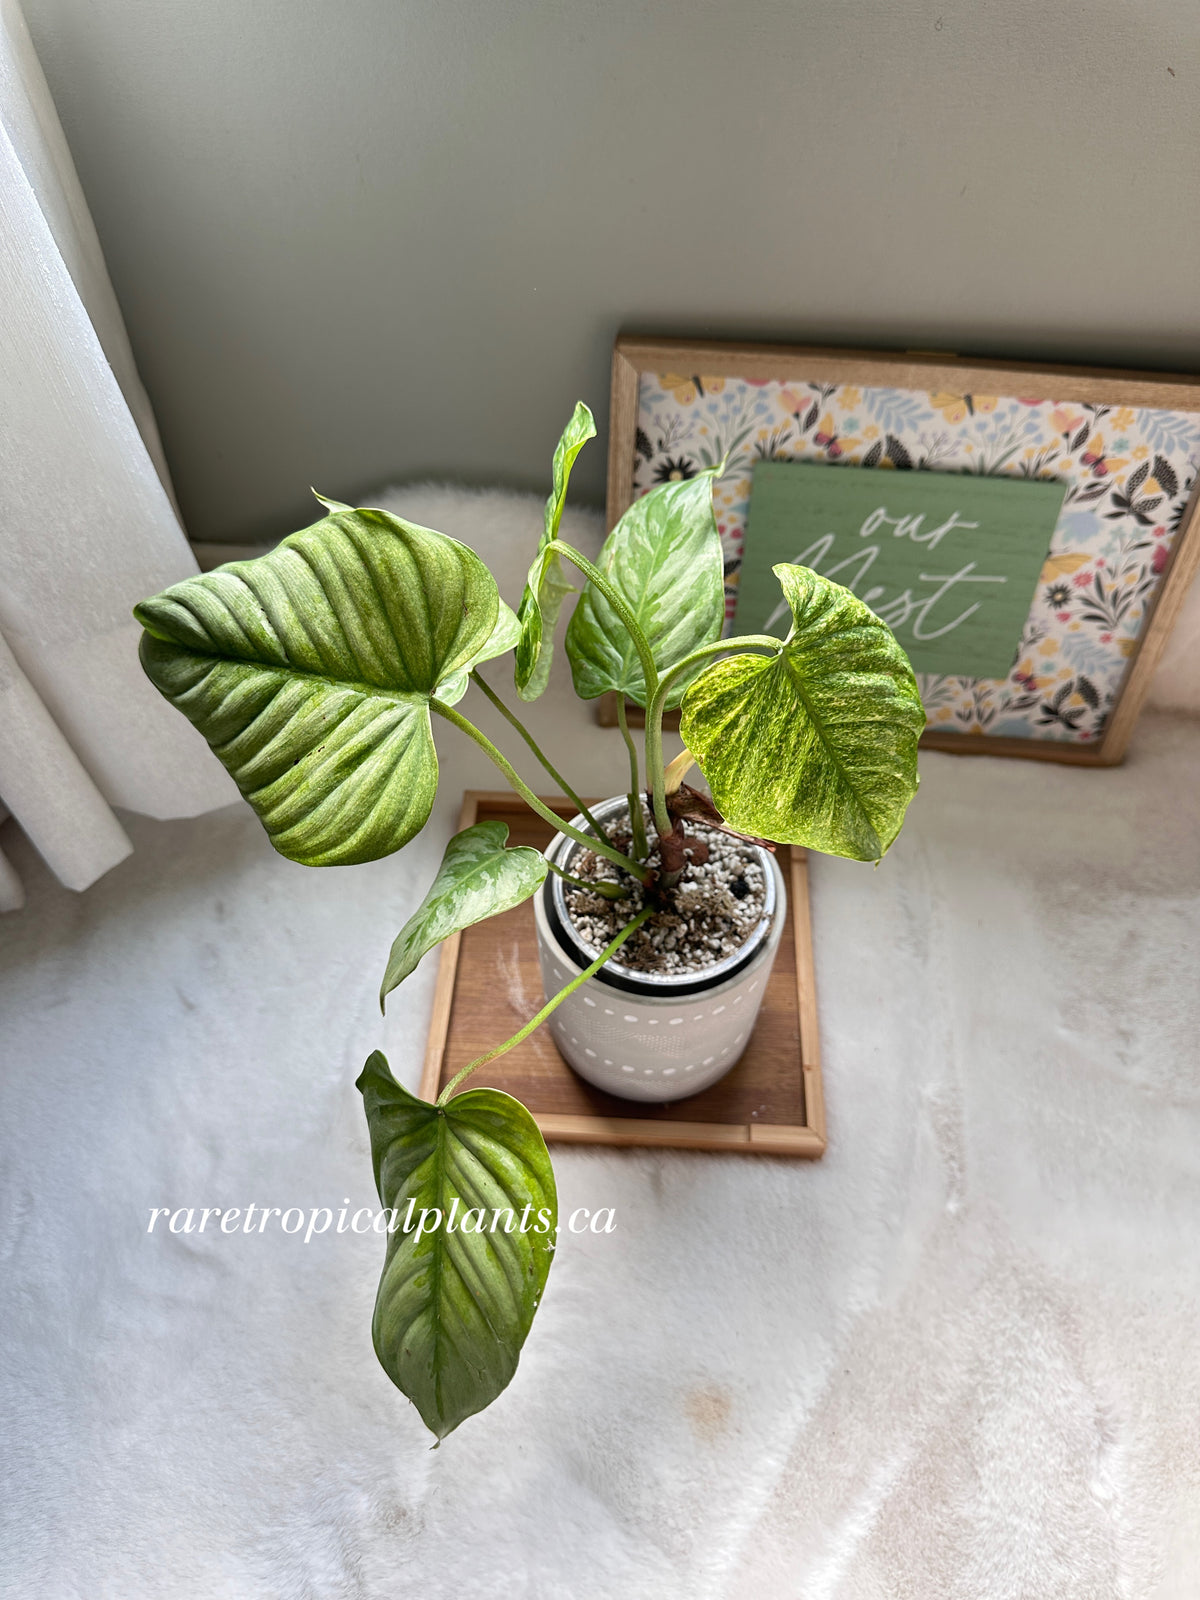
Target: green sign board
x: 950, y: 561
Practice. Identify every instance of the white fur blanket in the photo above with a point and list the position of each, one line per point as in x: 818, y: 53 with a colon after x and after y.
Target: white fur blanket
x: 957, y: 1358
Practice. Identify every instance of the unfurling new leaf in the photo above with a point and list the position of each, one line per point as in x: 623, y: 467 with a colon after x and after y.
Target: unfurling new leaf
x: 461, y: 1281
x: 478, y: 878
x: 547, y: 587
x: 816, y: 745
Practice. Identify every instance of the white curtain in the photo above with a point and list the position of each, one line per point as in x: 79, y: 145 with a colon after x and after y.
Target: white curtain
x: 87, y: 522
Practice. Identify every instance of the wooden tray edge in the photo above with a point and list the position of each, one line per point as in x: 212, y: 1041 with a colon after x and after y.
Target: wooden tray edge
x: 805, y: 1140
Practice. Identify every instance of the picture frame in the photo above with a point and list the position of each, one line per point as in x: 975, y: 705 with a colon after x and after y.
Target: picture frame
x: 1085, y: 682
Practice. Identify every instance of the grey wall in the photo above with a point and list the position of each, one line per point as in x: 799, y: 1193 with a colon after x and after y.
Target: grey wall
x: 361, y: 240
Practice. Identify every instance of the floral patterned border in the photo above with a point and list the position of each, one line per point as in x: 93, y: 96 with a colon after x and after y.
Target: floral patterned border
x: 1128, y: 473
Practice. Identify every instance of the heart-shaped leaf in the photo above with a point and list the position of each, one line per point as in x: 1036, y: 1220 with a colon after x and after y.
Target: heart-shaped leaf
x: 310, y: 670
x: 664, y: 559
x: 546, y: 586
x: 478, y: 878
x: 456, y: 1301
x: 817, y: 745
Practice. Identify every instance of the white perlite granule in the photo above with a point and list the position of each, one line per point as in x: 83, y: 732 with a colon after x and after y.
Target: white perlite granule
x: 707, y: 917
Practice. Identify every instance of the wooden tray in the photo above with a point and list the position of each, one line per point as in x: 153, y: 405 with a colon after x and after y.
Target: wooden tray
x: 489, y: 984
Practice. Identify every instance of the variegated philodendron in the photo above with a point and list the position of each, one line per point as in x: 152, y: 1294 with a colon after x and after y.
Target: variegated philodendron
x: 316, y: 673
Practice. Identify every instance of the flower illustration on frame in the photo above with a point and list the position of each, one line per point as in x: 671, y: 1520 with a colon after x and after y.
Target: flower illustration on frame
x: 1126, y: 470
x: 674, y: 470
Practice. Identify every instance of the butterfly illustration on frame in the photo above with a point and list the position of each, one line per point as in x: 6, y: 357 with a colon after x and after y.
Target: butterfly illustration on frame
x: 826, y: 438
x: 685, y: 390
x: 957, y: 407
x: 1097, y: 462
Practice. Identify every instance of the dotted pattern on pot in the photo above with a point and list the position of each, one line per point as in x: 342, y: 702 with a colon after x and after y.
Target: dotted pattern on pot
x: 646, y: 1048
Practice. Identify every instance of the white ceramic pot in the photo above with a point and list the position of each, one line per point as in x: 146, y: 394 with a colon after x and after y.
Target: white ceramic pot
x: 653, y: 1038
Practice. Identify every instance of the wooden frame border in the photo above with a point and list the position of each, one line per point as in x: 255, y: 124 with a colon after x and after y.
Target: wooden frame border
x: 933, y: 370
x: 806, y: 1140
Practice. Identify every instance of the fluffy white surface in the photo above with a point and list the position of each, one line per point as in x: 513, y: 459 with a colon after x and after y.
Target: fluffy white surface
x: 957, y: 1358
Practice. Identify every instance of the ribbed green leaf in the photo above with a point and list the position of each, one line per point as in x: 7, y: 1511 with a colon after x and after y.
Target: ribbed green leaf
x: 454, y: 1307
x: 309, y: 671
x: 547, y: 586
x: 504, y: 636
x: 478, y: 878
x: 664, y: 559
x: 818, y: 745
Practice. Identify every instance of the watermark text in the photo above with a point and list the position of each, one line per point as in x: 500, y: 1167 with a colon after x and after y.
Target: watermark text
x: 309, y: 1223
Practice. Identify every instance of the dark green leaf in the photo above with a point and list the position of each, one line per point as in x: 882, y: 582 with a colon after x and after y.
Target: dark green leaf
x: 309, y: 672
x: 547, y: 586
x: 664, y: 559
x: 818, y: 745
x: 454, y: 1307
x: 478, y: 878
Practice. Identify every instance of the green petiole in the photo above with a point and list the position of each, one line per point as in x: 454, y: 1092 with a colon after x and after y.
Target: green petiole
x: 512, y: 718
x: 657, y: 703
x: 599, y: 844
x: 535, y: 1022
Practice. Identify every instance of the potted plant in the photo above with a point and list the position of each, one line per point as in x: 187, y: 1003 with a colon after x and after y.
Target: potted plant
x: 315, y: 672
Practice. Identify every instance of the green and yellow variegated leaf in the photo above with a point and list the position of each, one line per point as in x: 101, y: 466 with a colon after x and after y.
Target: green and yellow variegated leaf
x: 547, y: 586
x: 310, y: 670
x: 455, y: 1305
x: 664, y: 559
x: 817, y: 745
x: 478, y: 878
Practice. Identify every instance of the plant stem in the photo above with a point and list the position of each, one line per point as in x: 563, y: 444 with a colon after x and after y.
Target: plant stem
x: 621, y: 606
x: 600, y: 845
x: 657, y: 704
x: 535, y: 1022
x: 609, y: 891
x: 641, y: 846
x: 512, y: 718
